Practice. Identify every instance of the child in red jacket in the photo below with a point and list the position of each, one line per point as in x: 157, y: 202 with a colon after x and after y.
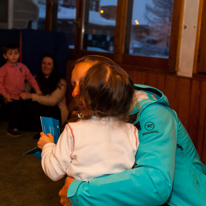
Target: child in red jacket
x: 12, y: 82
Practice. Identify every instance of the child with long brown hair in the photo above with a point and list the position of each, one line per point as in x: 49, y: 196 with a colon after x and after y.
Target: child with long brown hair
x: 101, y: 142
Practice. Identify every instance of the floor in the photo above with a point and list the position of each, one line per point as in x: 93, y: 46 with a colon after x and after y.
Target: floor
x: 22, y: 180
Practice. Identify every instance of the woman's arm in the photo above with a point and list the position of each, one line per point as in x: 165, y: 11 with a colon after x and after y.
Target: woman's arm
x: 54, y: 98
x: 150, y: 182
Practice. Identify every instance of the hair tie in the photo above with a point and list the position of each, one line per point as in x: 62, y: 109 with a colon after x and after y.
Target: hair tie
x: 80, y: 115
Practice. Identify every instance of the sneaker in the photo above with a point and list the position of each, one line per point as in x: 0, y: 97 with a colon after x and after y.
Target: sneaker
x: 14, y: 132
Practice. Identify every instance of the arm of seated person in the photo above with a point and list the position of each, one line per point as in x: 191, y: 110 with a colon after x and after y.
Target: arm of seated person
x: 25, y: 95
x: 28, y: 95
x: 151, y: 179
x: 54, y: 98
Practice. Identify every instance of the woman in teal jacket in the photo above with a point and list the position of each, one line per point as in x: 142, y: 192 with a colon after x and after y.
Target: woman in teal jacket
x: 168, y: 168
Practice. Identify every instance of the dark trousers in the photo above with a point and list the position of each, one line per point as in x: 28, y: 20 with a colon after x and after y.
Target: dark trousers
x: 15, y: 111
x: 32, y: 115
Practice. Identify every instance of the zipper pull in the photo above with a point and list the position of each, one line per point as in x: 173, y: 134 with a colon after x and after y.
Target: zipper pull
x: 180, y: 147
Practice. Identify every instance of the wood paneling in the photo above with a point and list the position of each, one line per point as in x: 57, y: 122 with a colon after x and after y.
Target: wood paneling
x: 201, y: 144
x: 187, y: 96
x: 194, y: 111
x: 169, y: 89
x: 181, y: 103
x: 48, y: 20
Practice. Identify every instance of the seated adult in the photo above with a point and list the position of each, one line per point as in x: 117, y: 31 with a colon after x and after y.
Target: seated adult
x: 167, y: 167
x: 53, y: 101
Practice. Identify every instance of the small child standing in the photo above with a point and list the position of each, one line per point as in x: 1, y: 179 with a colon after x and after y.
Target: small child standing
x: 100, y: 142
x: 12, y: 82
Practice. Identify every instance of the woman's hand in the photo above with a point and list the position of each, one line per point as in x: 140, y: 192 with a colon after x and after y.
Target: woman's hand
x: 44, y: 139
x: 64, y: 200
x: 25, y: 95
x: 39, y: 92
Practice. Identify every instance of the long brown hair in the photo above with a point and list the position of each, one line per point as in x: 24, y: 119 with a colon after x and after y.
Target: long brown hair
x: 105, y: 91
x: 47, y: 86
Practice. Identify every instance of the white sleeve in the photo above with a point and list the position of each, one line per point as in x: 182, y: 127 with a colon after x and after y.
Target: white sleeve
x: 56, y: 158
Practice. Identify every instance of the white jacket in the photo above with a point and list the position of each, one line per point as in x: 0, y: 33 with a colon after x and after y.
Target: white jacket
x: 91, y: 148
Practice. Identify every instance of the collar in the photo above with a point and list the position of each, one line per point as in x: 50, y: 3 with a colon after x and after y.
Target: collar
x: 11, y: 65
x: 104, y: 118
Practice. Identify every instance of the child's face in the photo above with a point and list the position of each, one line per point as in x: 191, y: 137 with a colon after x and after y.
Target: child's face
x: 12, y: 55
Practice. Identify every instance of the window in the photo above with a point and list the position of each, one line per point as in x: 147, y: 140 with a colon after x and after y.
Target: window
x: 63, y: 19
x: 99, y: 25
x: 63, y: 14
x: 40, y: 23
x: 149, y: 28
x: 157, y: 53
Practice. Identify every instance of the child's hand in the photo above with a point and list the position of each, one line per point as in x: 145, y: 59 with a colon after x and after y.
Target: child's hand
x: 44, y: 139
x: 39, y: 92
x: 8, y: 99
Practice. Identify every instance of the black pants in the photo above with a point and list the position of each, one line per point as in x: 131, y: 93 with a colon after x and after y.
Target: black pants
x: 32, y: 115
x: 15, y: 111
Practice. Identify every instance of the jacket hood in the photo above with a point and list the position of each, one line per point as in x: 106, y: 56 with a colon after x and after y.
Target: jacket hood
x: 146, y: 95
x: 160, y: 97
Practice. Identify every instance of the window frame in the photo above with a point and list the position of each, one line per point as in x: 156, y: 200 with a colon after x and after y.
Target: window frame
x: 199, y: 60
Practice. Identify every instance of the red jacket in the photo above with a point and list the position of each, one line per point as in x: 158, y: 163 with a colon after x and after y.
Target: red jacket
x: 12, y: 80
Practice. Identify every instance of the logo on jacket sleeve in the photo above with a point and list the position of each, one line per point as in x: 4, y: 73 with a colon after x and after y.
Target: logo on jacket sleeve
x: 149, y: 126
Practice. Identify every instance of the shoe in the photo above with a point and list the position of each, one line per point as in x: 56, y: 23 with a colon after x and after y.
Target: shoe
x: 36, y: 136
x: 14, y: 132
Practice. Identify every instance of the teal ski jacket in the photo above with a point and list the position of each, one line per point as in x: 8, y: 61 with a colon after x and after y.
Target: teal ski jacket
x: 167, y: 168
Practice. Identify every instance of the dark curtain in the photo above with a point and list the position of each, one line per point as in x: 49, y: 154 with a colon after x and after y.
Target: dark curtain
x: 35, y: 44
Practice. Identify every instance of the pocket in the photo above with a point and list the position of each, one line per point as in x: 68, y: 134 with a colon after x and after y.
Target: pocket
x: 189, y: 181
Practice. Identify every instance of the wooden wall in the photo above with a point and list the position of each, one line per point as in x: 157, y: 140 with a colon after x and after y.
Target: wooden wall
x: 187, y: 96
